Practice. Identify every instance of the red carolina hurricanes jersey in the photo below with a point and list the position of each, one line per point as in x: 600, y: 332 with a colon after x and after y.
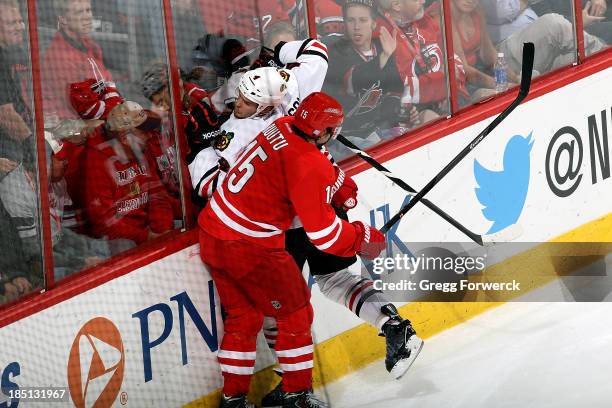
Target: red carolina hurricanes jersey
x: 279, y: 176
x: 419, y: 57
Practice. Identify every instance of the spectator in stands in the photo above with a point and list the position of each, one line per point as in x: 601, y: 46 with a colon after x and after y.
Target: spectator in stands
x: 125, y: 198
x: 161, y: 153
x: 474, y: 46
x: 363, y: 75
x: 277, y: 32
x: 281, y: 31
x: 14, y: 269
x: 328, y: 17
x: 71, y: 57
x: 92, y: 102
x: 189, y: 28
x: 596, y: 15
x: 198, y: 118
x: 17, y: 165
x: 71, y: 251
x: 217, y: 58
x: 15, y: 116
x: 511, y: 23
x: 597, y: 19
x: 419, y: 56
x: 246, y: 20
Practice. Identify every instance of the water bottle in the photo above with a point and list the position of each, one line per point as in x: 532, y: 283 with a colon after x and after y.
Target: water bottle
x: 405, y: 109
x: 404, y: 115
x: 501, y: 73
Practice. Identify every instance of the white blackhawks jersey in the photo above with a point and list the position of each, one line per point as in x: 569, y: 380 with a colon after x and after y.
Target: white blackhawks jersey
x: 308, y: 59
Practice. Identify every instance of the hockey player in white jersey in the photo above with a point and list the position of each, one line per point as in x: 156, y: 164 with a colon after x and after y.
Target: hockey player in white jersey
x: 264, y: 95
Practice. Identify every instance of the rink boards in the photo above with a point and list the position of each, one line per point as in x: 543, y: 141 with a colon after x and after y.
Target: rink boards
x: 149, y: 338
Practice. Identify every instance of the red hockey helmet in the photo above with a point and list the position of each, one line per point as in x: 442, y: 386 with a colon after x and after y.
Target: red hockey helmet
x: 317, y: 113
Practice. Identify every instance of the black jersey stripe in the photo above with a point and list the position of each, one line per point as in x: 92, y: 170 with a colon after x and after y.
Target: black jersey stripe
x: 318, y: 53
x: 303, y: 46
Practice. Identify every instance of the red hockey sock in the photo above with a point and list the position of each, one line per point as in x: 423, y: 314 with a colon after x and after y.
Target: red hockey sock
x: 238, y: 349
x: 294, y: 349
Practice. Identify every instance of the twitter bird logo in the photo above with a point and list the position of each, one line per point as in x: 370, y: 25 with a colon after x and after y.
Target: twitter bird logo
x: 503, y: 193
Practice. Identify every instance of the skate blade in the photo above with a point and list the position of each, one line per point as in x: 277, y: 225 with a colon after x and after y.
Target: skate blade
x: 415, y: 344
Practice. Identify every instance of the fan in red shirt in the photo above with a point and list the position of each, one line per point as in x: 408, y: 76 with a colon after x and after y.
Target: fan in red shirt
x: 71, y: 57
x: 124, y: 197
x: 282, y: 175
x: 419, y: 54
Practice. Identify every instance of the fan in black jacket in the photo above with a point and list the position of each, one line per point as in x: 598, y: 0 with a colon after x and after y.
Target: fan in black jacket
x: 362, y: 74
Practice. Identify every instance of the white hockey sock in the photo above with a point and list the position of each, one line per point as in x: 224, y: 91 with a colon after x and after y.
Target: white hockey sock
x: 356, y: 293
x: 270, y: 331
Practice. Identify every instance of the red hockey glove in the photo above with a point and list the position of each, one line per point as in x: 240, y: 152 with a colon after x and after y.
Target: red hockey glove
x: 346, y: 196
x: 370, y: 242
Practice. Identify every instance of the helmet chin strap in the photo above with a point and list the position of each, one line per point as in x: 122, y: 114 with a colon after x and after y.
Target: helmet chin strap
x: 259, y: 113
x: 327, y: 136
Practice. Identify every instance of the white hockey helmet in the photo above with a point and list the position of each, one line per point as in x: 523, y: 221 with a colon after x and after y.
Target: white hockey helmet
x: 264, y: 86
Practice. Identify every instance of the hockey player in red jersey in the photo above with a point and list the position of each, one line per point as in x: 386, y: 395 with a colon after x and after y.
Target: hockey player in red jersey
x: 280, y: 176
x: 266, y: 99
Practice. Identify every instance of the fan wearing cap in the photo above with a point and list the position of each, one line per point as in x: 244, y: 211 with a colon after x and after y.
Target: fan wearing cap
x: 286, y: 176
x: 124, y: 196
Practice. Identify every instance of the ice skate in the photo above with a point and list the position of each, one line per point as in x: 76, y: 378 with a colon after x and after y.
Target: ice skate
x: 235, y: 402
x: 302, y: 399
x: 403, y: 345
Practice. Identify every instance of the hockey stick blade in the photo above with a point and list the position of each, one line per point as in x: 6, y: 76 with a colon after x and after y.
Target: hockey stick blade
x: 411, y: 191
x: 506, y: 235
x: 527, y: 68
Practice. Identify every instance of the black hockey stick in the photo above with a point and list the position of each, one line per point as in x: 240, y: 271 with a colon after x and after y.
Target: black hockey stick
x: 527, y: 67
x: 387, y: 173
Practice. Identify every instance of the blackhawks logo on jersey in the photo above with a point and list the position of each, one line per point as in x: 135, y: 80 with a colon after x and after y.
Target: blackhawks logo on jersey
x: 223, y: 140
x: 284, y: 74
